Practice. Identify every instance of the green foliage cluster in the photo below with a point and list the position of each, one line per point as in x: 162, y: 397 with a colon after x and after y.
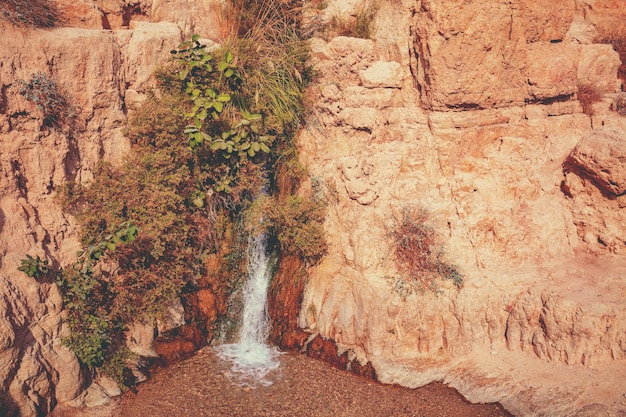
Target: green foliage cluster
x: 34, y: 267
x: 419, y: 257
x: 95, y: 327
x: 37, y: 13
x: 46, y: 94
x: 95, y: 334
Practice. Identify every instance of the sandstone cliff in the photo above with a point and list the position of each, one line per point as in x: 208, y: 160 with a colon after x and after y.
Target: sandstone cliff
x: 470, y: 111
x: 478, y: 122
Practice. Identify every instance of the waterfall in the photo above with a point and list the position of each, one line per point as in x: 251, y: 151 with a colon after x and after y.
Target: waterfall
x: 251, y: 357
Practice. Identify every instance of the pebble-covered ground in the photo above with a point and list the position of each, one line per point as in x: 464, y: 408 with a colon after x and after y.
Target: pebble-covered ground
x: 302, y: 387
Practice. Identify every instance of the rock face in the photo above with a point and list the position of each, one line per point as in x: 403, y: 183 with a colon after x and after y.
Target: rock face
x: 481, y: 126
x: 476, y: 121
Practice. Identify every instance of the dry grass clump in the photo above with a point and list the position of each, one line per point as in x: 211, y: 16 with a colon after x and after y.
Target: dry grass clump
x: 37, y: 13
x: 359, y: 26
x: 588, y: 95
x: 418, y: 254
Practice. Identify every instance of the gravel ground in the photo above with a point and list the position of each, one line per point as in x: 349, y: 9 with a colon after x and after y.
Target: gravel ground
x: 302, y: 387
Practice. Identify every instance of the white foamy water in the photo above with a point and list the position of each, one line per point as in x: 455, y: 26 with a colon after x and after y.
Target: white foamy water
x: 251, y: 357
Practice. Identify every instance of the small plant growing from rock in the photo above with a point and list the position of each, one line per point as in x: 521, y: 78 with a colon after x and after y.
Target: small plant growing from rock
x: 47, y: 96
x: 34, y: 267
x: 418, y: 255
x: 588, y: 95
x: 359, y: 26
x: 619, y: 104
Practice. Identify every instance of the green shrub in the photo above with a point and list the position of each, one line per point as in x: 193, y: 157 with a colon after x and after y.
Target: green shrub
x: 418, y: 254
x: 34, y: 267
x: 38, y: 13
x: 295, y: 223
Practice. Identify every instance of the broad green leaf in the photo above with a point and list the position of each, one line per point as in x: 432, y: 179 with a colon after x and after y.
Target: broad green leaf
x: 228, y: 73
x: 222, y: 66
x: 264, y: 148
x: 183, y: 74
x: 218, y: 106
x: 202, y: 115
x: 223, y: 98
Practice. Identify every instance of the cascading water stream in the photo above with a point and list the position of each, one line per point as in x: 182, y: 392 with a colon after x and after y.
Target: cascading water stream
x: 251, y: 357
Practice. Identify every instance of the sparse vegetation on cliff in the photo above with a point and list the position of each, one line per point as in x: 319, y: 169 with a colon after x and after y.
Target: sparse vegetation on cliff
x: 418, y: 254
x: 588, y: 95
x: 46, y: 94
x: 359, y: 26
x: 37, y: 13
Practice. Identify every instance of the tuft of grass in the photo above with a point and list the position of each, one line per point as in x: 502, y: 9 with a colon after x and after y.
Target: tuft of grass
x: 359, y: 26
x: 34, y: 13
x: 273, y: 58
x: 418, y: 254
x: 588, y: 95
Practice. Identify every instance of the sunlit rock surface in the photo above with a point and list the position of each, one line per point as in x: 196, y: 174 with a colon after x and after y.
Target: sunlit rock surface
x: 469, y: 111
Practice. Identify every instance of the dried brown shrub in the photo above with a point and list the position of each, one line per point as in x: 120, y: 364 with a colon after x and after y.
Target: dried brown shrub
x: 588, y: 95
x: 418, y: 254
